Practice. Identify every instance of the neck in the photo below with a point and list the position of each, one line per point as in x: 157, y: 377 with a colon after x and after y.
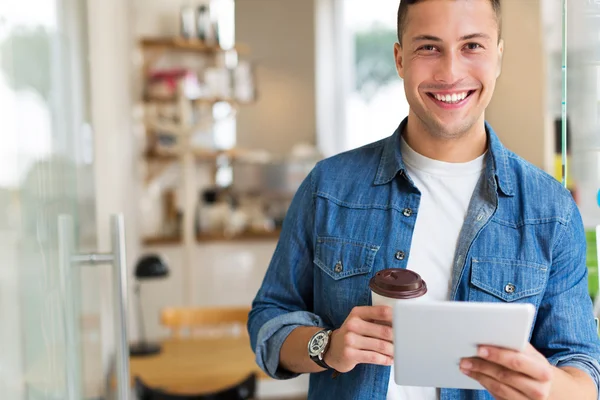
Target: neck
x: 466, y: 147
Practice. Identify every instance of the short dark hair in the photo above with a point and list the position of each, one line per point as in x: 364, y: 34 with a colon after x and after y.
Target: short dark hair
x: 403, y: 12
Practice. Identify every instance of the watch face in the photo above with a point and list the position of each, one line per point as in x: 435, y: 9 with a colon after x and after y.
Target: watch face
x: 318, y: 343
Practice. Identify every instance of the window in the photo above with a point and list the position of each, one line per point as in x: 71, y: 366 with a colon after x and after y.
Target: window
x: 360, y: 96
x: 376, y: 102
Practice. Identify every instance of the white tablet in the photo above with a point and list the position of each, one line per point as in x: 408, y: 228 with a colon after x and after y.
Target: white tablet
x: 430, y: 338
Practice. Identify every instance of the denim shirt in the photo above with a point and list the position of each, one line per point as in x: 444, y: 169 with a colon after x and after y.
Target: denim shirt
x: 522, y: 227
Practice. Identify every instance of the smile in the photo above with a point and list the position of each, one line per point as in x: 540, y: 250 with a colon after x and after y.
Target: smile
x: 451, y: 98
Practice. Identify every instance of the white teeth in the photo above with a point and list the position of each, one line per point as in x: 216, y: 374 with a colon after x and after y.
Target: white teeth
x: 451, y: 98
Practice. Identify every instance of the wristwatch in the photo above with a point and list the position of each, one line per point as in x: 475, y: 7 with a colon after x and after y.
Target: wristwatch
x: 318, y: 345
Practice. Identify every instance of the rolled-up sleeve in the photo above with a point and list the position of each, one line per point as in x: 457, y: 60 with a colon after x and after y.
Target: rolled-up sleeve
x: 582, y: 362
x: 271, y: 337
x: 566, y: 331
x: 285, y: 298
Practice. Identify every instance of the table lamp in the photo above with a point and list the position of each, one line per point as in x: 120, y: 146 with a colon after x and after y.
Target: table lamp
x: 149, y: 266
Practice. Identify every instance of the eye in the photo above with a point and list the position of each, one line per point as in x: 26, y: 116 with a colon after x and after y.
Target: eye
x: 427, y: 48
x: 473, y: 46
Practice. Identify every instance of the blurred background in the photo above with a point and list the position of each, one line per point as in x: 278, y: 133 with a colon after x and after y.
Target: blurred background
x: 150, y: 150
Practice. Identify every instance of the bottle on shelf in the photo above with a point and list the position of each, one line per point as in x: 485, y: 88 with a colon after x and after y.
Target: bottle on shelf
x: 203, y: 24
x: 187, y: 21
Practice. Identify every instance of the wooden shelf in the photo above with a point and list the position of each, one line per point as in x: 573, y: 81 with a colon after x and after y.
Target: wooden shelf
x: 175, y: 43
x: 164, y: 158
x: 179, y: 44
x: 159, y: 241
x: 247, y: 236
x: 169, y: 158
x: 183, y: 150
x: 154, y: 101
x: 206, y: 237
x: 199, y: 154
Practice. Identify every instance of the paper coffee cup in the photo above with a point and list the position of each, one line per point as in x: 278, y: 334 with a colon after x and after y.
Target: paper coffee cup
x: 391, y: 285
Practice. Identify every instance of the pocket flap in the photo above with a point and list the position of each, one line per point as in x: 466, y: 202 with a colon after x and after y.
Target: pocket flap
x: 341, y: 258
x: 510, y: 280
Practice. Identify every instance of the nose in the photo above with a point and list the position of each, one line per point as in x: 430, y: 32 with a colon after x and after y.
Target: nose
x: 449, y: 68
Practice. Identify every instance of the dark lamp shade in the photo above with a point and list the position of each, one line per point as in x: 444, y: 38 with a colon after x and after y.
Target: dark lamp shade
x: 151, y: 266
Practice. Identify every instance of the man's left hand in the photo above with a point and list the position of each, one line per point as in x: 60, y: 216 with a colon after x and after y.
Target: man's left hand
x: 509, y: 374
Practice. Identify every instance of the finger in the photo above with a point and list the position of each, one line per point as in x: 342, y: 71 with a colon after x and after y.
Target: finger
x: 369, y: 329
x: 372, y: 357
x: 374, y: 313
x: 516, y: 380
x: 524, y: 363
x: 499, y: 390
x: 371, y: 344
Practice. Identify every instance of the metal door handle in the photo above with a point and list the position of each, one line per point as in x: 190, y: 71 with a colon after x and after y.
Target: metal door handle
x: 117, y: 257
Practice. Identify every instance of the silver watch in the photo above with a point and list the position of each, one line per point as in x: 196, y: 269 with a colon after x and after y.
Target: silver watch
x: 318, y: 345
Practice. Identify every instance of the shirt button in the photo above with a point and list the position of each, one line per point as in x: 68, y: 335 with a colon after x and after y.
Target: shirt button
x: 338, y: 267
x: 407, y: 212
x: 399, y: 255
x: 509, y: 288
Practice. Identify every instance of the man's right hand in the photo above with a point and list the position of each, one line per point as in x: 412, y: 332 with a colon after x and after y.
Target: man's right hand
x: 364, y: 338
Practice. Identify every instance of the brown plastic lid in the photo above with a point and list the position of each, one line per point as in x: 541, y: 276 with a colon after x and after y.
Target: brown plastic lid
x: 398, y: 283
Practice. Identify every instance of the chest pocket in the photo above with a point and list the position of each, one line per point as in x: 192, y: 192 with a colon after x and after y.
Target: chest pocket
x: 341, y: 280
x: 494, y: 280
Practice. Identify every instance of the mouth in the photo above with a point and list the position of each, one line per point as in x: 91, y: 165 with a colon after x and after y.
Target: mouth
x: 451, y: 100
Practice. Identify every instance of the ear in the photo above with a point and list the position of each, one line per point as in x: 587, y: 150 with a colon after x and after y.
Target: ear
x: 500, y: 55
x: 398, y: 56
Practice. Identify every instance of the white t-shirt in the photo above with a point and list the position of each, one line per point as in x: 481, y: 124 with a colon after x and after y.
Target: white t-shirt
x: 446, y: 190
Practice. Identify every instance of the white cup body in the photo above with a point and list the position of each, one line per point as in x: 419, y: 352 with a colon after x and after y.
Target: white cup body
x: 379, y: 300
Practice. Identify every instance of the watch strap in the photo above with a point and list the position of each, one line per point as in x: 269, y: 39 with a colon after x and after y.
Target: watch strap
x: 320, y: 363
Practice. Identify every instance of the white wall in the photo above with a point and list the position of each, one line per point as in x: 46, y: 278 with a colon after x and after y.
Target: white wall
x: 518, y: 110
x: 281, y: 38
x: 114, y: 157
x: 157, y: 17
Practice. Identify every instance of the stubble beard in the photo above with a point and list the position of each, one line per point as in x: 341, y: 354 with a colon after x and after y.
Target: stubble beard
x: 440, y: 131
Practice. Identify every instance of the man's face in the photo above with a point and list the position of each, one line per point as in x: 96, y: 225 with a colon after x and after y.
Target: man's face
x: 449, y: 60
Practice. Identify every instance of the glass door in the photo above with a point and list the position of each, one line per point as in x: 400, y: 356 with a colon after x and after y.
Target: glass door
x: 580, y: 121
x: 50, y: 342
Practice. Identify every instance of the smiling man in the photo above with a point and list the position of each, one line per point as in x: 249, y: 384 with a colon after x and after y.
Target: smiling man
x: 441, y: 196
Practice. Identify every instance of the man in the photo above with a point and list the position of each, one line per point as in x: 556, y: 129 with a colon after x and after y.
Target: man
x: 444, y: 198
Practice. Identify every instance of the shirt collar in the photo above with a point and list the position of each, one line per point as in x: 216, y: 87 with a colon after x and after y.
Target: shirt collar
x: 391, y: 162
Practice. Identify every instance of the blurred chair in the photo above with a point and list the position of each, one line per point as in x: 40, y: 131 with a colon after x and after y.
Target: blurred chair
x: 206, y: 321
x: 245, y: 390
